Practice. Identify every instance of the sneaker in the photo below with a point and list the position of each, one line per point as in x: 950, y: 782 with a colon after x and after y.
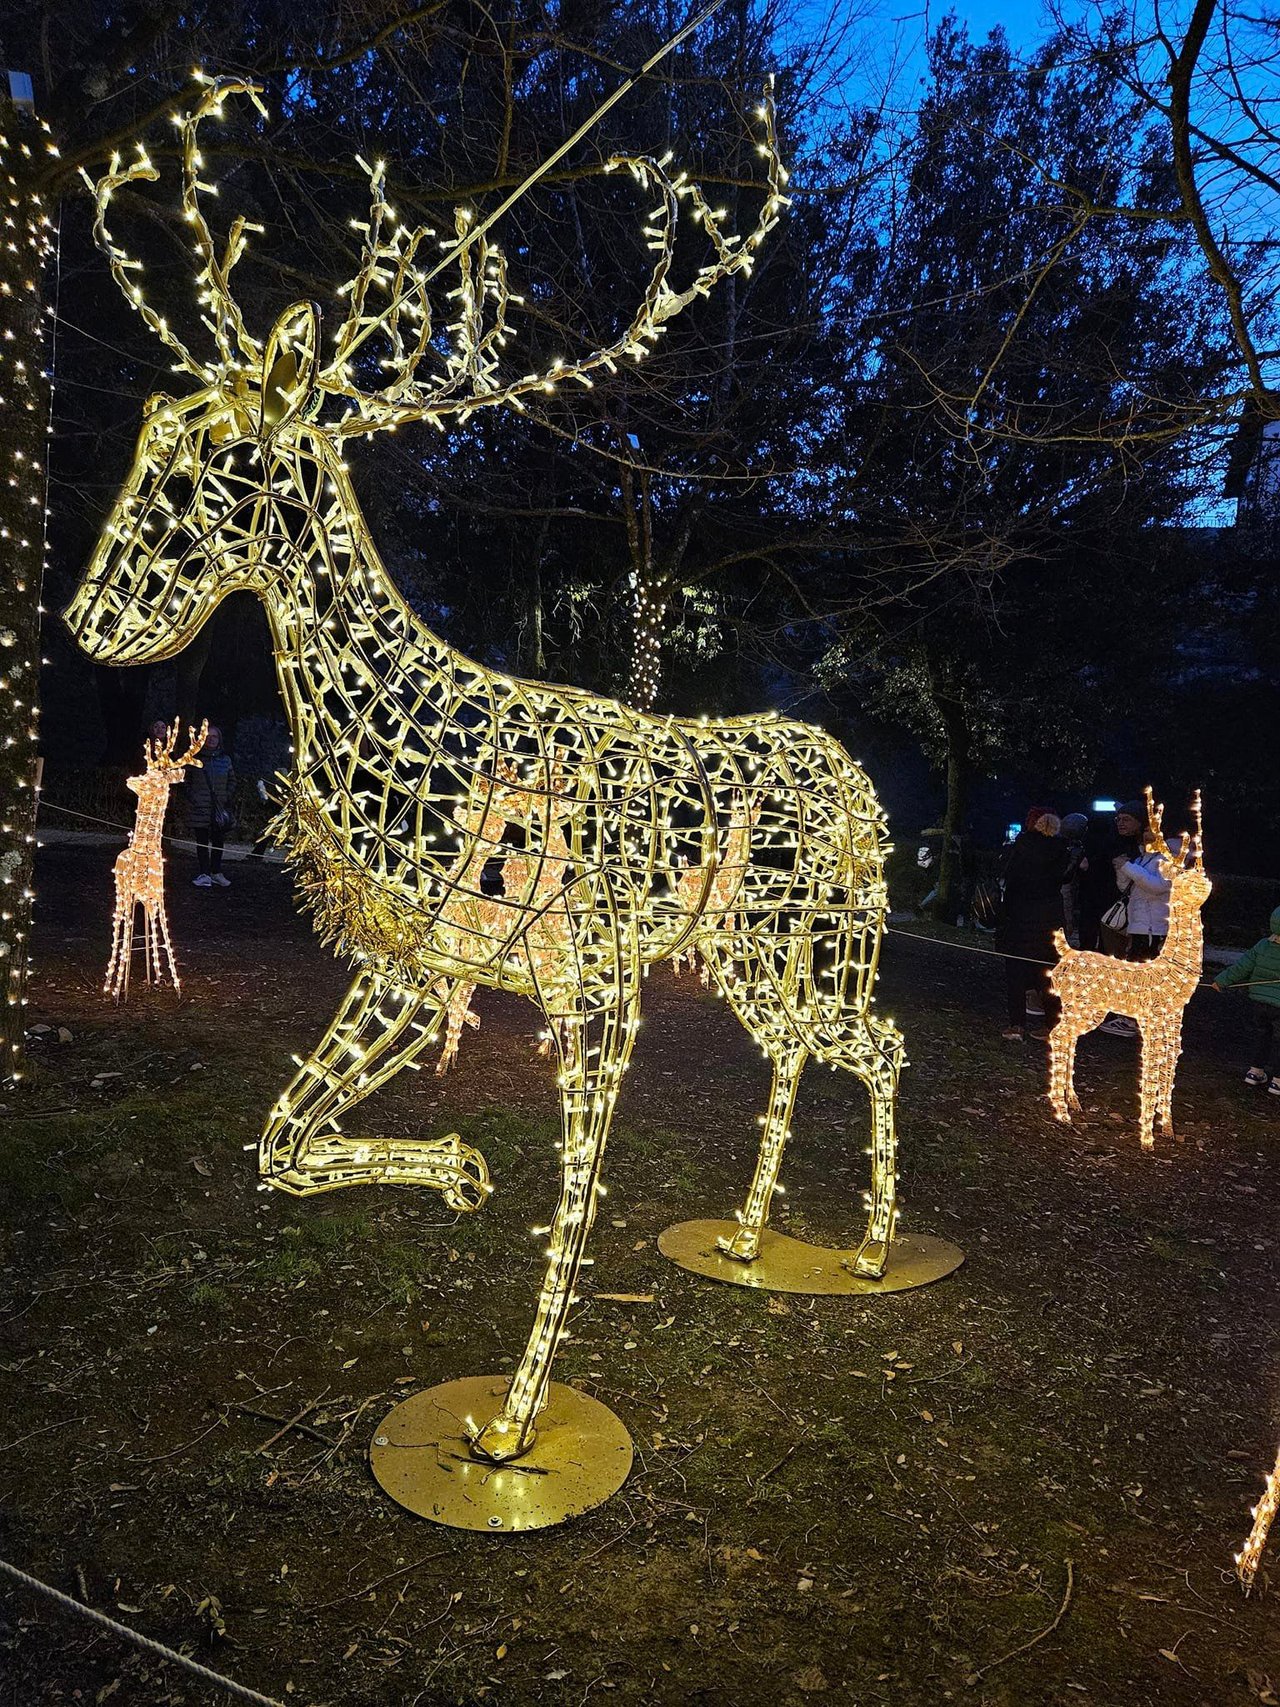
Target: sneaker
x: 1274, y: 1086
x: 1014, y: 1033
x: 1256, y: 1076
x: 1119, y: 1025
x: 220, y: 880
x: 204, y: 881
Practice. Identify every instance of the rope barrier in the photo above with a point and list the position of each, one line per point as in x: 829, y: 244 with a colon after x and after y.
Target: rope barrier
x: 890, y: 930
x: 186, y: 842
x: 1032, y: 960
x: 228, y: 1685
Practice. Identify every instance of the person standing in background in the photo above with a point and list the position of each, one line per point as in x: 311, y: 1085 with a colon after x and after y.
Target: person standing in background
x: 1074, y: 829
x: 210, y: 808
x: 1030, y: 913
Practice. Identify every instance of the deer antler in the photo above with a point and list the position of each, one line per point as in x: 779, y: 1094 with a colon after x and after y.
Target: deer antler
x: 1155, y: 819
x: 227, y: 324
x: 390, y: 265
x: 1197, y: 831
x: 122, y: 264
x: 160, y: 753
x: 212, y: 280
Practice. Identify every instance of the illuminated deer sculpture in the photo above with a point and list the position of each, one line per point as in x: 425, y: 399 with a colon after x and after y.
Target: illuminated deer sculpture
x: 1152, y: 992
x: 602, y: 816
x: 139, y: 870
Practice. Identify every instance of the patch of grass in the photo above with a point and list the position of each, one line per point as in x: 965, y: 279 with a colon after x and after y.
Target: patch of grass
x: 207, y: 1295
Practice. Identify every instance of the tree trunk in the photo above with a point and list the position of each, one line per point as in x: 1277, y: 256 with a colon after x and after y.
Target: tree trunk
x: 949, y: 896
x: 949, y: 901
x: 24, y: 419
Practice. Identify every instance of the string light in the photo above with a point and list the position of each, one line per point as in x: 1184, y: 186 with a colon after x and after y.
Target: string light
x: 139, y: 870
x: 453, y: 827
x: 1155, y: 992
x: 26, y: 243
x: 1250, y: 1555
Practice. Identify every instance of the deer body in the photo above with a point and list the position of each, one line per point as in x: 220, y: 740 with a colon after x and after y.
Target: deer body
x: 1154, y: 993
x: 452, y: 826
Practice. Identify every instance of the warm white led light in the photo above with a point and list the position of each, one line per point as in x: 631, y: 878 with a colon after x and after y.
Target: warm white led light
x: 139, y: 870
x: 454, y: 827
x: 1152, y: 992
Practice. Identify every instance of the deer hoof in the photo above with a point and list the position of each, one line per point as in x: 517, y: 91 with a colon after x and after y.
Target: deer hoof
x: 468, y: 1186
x: 744, y: 1246
x: 459, y: 1173
x: 872, y: 1258
x: 500, y: 1440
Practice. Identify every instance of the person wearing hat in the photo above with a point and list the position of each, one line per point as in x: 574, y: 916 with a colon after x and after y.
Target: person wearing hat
x: 1030, y: 913
x: 1105, y: 844
x: 1074, y: 828
x: 1121, y: 913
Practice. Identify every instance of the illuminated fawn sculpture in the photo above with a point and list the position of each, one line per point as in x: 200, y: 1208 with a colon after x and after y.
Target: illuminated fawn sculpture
x: 416, y: 768
x: 139, y: 870
x: 1152, y: 992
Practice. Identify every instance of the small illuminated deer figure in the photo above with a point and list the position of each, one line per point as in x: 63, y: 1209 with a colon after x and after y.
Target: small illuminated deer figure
x: 403, y: 745
x: 139, y: 870
x: 1152, y: 992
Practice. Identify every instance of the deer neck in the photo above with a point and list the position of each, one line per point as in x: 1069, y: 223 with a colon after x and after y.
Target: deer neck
x: 1184, y: 942
x: 345, y: 640
x: 149, y: 819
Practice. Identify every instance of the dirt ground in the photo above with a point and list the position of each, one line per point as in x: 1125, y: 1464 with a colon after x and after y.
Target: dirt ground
x: 864, y: 1500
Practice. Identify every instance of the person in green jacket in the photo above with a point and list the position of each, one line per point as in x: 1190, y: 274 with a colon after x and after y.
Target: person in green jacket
x: 1259, y: 968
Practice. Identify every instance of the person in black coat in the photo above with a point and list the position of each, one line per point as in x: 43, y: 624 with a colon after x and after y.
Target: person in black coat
x: 1031, y: 911
x: 1104, y: 846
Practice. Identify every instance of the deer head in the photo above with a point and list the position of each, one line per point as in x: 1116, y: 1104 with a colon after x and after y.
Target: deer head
x: 224, y: 478
x: 1185, y: 869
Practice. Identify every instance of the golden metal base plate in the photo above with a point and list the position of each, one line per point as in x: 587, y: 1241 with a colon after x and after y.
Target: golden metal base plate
x: 791, y: 1265
x: 422, y: 1457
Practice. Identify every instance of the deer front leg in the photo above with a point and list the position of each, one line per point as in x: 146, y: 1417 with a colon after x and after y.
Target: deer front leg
x: 1062, y: 1070
x: 593, y: 1059
x: 116, y: 983
x: 1149, y: 1081
x: 379, y: 1028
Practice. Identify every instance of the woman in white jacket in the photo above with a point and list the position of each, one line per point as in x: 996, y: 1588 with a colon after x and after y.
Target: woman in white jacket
x: 1148, y: 896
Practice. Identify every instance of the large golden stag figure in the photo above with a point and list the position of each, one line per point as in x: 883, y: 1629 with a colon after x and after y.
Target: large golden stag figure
x: 622, y: 839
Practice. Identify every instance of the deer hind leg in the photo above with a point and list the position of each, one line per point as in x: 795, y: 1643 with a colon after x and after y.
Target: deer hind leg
x: 164, y: 949
x: 873, y: 1053
x: 593, y: 1058
x: 379, y: 1028
x: 1171, y: 1044
x: 788, y: 1063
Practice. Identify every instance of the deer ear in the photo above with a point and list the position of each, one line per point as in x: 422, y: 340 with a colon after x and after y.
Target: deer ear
x: 289, y: 365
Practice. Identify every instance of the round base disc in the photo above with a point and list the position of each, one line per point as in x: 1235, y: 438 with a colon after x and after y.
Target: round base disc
x: 791, y: 1265
x: 422, y: 1457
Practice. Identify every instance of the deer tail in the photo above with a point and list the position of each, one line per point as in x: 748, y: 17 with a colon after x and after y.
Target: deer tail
x: 1060, y: 944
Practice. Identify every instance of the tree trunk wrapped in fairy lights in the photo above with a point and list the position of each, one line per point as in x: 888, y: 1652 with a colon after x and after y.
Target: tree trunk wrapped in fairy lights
x: 623, y: 839
x: 24, y: 422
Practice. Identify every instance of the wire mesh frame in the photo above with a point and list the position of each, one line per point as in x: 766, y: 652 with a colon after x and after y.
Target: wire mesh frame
x: 451, y: 826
